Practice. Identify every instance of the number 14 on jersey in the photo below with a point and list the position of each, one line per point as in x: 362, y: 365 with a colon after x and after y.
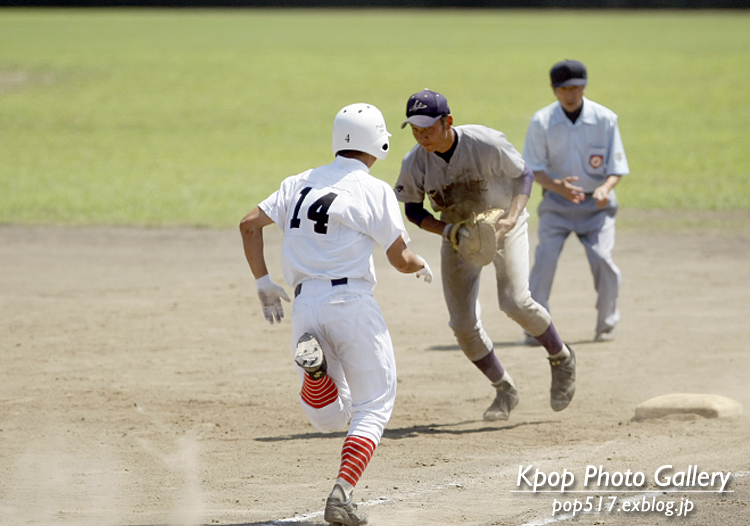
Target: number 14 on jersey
x: 317, y: 211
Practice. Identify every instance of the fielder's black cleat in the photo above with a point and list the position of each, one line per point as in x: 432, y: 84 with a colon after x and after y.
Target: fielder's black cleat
x: 563, y: 381
x: 340, y: 512
x: 310, y: 357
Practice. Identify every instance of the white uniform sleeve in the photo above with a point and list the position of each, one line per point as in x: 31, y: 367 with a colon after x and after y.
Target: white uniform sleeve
x: 386, y: 223
x: 276, y: 205
x: 273, y: 206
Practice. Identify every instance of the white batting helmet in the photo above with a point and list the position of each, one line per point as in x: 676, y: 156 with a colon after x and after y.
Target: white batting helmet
x: 361, y: 127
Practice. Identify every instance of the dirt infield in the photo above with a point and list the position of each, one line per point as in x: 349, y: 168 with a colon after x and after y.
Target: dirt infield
x: 140, y: 385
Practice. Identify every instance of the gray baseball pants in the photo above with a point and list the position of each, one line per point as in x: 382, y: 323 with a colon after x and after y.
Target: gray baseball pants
x: 595, y: 228
x: 461, y: 291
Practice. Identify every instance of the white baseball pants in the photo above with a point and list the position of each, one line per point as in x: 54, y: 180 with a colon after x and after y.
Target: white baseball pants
x: 348, y: 323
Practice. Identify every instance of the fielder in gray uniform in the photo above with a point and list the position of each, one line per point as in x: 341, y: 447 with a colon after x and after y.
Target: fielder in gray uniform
x: 575, y: 150
x: 469, y: 169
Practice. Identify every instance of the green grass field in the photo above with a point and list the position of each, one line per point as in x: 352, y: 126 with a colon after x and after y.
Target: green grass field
x: 190, y: 117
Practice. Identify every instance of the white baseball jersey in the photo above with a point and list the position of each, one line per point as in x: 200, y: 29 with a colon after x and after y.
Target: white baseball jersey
x: 591, y: 149
x: 332, y: 216
x: 480, y: 174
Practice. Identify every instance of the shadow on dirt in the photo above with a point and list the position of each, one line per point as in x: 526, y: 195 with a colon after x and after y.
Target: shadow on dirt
x: 266, y: 523
x: 276, y: 523
x: 501, y: 345
x: 412, y: 431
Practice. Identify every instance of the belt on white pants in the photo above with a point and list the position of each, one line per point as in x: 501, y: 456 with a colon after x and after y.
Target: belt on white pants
x: 319, y: 285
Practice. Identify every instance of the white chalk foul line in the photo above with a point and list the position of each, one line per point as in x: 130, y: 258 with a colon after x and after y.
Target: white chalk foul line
x: 440, y: 487
x: 373, y: 502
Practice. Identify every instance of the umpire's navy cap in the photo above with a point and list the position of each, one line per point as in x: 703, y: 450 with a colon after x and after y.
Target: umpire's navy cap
x: 424, y: 109
x: 568, y: 73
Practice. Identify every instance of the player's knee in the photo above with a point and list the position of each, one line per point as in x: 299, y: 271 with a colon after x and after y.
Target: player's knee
x: 465, y: 332
x: 464, y: 326
x: 332, y: 417
x: 472, y: 342
x: 513, y: 311
x: 330, y: 424
x: 518, y: 308
x: 512, y: 302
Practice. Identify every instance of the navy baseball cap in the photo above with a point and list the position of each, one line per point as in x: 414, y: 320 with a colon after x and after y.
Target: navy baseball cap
x: 568, y: 73
x: 425, y: 108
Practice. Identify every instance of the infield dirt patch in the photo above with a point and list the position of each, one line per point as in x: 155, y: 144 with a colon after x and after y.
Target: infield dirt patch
x: 140, y: 385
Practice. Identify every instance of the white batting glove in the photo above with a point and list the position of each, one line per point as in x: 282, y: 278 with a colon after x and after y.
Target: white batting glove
x: 270, y: 295
x: 425, y: 271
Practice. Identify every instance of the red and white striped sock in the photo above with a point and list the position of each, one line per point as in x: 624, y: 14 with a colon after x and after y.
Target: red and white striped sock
x: 355, y: 455
x: 319, y: 393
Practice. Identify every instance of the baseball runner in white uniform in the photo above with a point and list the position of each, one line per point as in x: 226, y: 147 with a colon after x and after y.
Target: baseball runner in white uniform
x: 575, y: 150
x: 464, y: 170
x: 332, y: 217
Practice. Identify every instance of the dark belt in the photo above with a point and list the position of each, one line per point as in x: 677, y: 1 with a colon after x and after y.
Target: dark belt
x: 334, y: 283
x: 587, y: 194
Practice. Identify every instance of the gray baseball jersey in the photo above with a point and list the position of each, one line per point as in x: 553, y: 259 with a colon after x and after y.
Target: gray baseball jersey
x: 480, y: 174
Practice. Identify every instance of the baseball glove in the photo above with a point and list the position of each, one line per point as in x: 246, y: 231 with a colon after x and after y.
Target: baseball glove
x: 480, y: 245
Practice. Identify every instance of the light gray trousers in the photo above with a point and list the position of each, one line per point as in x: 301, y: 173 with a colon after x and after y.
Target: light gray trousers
x: 595, y: 228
